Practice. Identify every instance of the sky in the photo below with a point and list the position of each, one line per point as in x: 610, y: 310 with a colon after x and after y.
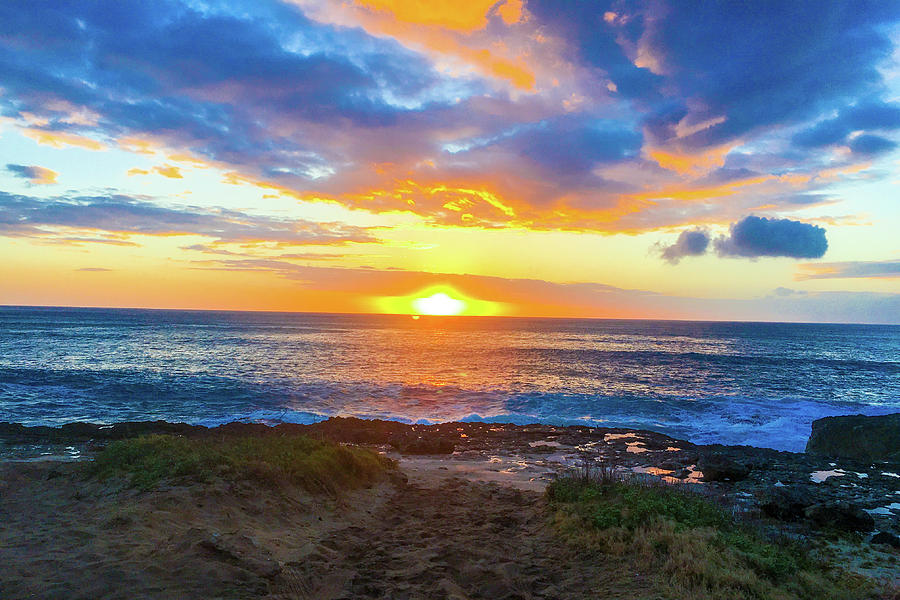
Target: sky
x: 677, y: 160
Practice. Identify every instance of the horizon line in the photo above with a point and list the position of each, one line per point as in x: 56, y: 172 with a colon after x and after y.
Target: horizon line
x: 432, y: 317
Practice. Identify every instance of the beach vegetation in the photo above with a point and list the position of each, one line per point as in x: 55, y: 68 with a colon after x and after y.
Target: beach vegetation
x: 694, y: 546
x: 271, y: 460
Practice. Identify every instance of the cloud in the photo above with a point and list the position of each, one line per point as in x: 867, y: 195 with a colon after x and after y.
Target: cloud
x: 612, y: 122
x: 451, y: 32
x: 884, y: 269
x: 751, y: 237
x: 169, y: 171
x: 871, y: 144
x: 545, y: 298
x: 787, y: 292
x: 124, y: 216
x: 34, y: 174
x: 691, y: 242
x: 759, y: 236
x: 573, y: 145
x: 866, y: 117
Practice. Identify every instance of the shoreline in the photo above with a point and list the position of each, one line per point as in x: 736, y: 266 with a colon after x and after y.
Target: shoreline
x: 474, y: 490
x: 530, y: 456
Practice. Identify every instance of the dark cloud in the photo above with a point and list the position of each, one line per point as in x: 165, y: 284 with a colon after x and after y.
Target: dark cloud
x: 866, y: 117
x: 871, y: 144
x: 596, y: 42
x: 752, y: 237
x: 336, y: 113
x: 124, y: 215
x: 33, y: 173
x: 759, y: 236
x: 217, y: 82
x: 692, y: 242
x: 763, y: 64
x: 753, y: 64
x: 850, y: 269
x: 573, y: 145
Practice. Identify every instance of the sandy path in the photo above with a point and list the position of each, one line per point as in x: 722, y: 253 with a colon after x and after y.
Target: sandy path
x: 458, y: 540
x: 437, y: 536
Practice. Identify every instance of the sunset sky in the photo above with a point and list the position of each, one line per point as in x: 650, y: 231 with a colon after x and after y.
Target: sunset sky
x: 599, y: 159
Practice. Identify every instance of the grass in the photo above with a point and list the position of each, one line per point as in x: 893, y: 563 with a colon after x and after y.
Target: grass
x: 694, y: 547
x: 317, y: 466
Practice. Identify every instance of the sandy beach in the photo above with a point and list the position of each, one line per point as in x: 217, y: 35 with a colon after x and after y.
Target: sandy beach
x: 470, y: 523
x: 435, y: 537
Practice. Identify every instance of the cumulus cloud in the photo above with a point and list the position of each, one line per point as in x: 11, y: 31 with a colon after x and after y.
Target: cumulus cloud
x: 752, y: 237
x: 692, y: 242
x: 759, y: 236
x: 25, y: 216
x: 34, y: 174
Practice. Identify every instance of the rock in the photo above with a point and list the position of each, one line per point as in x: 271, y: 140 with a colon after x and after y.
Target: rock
x: 786, y: 503
x: 424, y: 445
x: 719, y: 467
x: 840, y: 515
x: 857, y: 437
x: 887, y: 538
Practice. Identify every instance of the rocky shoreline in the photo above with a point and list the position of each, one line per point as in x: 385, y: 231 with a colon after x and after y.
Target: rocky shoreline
x: 799, y: 490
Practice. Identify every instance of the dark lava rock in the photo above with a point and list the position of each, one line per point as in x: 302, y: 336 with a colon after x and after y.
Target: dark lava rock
x: 424, y: 445
x: 840, y: 515
x: 887, y: 538
x: 857, y: 437
x: 14, y: 433
x: 787, y: 503
x: 718, y: 467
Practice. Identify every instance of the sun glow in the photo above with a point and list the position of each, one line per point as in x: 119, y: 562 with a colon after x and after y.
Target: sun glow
x: 438, y: 304
x: 439, y: 300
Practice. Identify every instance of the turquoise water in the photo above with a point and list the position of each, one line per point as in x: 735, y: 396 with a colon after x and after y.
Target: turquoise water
x: 738, y: 383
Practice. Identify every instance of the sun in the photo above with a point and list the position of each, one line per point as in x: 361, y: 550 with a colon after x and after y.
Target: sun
x: 438, y: 300
x: 438, y: 304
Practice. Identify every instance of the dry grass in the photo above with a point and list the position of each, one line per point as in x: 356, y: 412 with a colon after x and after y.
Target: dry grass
x: 694, y: 545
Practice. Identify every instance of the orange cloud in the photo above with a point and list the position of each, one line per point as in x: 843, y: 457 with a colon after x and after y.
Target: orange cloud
x: 169, y: 171
x: 691, y: 164
x: 448, y: 14
x: 58, y: 139
x: 41, y: 175
x: 443, y: 28
x: 139, y: 145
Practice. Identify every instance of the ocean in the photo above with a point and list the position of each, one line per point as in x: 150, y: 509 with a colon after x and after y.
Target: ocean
x: 760, y: 384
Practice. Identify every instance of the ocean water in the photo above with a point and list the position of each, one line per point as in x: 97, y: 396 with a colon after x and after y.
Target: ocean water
x: 760, y: 384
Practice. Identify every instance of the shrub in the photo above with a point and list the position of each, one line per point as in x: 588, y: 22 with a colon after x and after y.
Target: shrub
x: 272, y: 460
x: 693, y: 546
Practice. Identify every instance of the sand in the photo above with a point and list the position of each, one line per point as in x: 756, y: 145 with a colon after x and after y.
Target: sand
x: 471, y: 524
x: 428, y: 534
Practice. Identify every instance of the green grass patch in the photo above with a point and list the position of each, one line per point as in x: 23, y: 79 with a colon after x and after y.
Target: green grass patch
x: 693, y: 546
x: 317, y: 466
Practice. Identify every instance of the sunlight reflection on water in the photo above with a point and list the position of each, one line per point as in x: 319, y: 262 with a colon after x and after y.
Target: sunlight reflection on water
x: 760, y: 384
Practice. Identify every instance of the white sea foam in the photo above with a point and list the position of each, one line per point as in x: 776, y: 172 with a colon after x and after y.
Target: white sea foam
x: 730, y: 383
